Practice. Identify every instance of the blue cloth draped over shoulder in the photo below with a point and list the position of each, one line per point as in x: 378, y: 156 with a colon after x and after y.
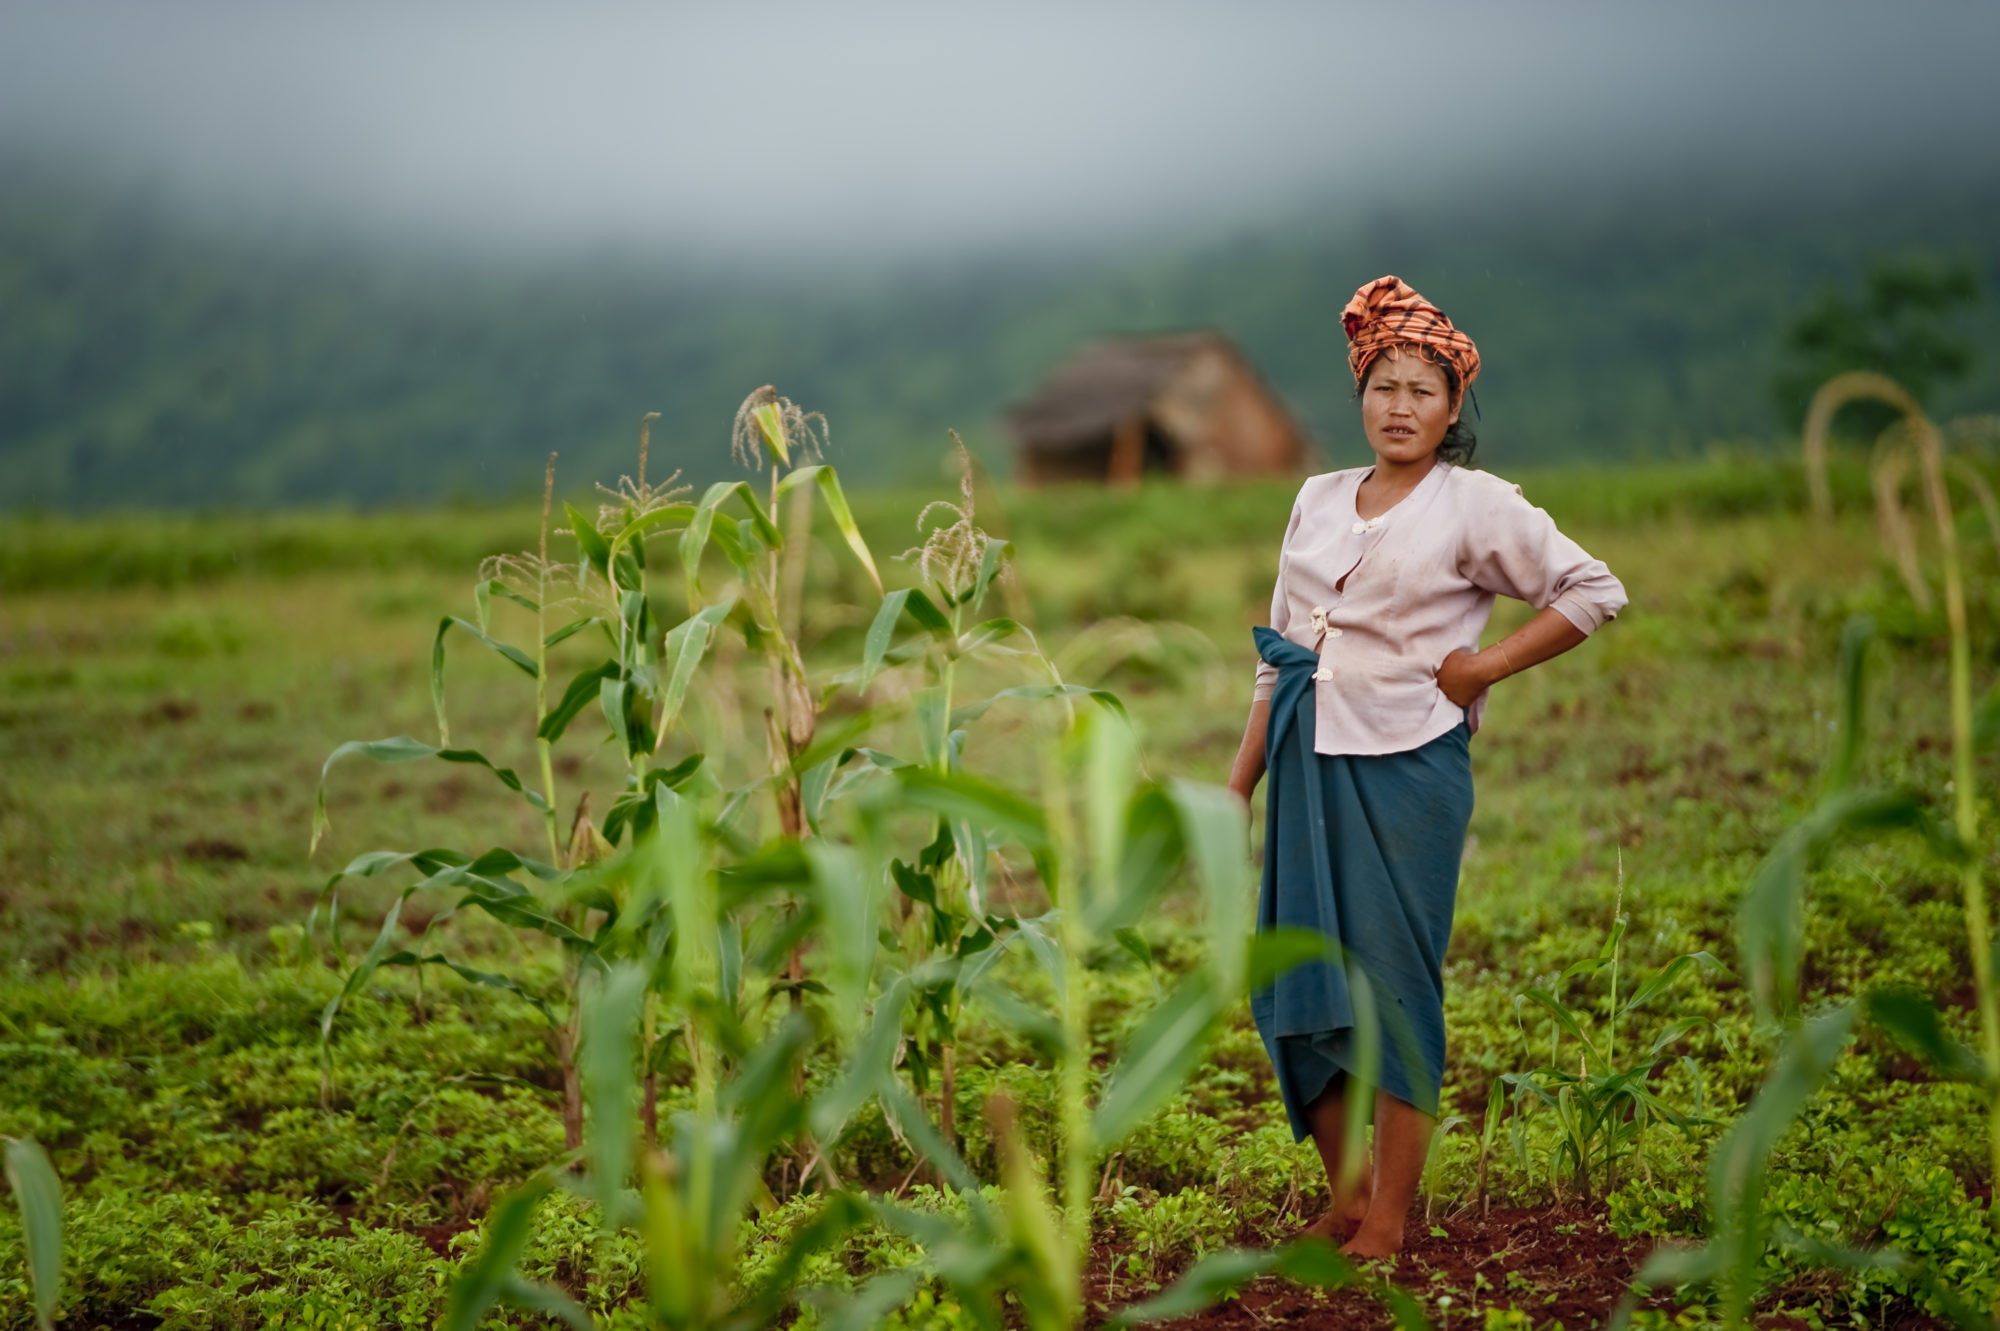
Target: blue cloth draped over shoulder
x: 1364, y: 849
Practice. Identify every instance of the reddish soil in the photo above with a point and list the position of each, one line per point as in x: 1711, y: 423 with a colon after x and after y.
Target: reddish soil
x: 1561, y: 1267
x: 1555, y: 1265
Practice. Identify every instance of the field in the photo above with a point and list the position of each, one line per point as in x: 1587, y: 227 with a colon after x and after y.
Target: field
x: 170, y: 687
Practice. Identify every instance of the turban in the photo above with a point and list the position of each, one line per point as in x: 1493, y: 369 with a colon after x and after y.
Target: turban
x: 1387, y: 312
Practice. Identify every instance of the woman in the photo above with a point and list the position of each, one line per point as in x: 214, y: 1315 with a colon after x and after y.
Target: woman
x: 1371, y: 684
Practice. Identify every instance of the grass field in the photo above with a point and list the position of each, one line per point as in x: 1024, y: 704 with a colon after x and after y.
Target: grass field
x: 170, y: 687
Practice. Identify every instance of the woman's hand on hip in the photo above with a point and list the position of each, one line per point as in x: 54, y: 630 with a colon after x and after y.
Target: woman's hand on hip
x: 1465, y: 675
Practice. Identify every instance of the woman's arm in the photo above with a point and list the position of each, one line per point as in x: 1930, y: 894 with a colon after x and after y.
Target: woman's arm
x: 1248, y: 769
x: 1465, y: 675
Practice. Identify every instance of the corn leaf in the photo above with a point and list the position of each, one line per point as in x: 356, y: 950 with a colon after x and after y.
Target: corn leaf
x: 1663, y: 979
x: 882, y: 631
x: 582, y: 691
x: 869, y: 1305
x: 508, y: 1228
x: 1738, y: 1166
x: 1367, y: 1071
x: 1564, y: 1018
x: 929, y: 618
x: 485, y: 978
x: 1915, y: 1023
x: 1033, y: 1024
x: 402, y: 749
x: 1110, y: 779
x: 866, y: 1069
x: 38, y: 1193
x: 1677, y: 1028
x: 1215, y: 1277
x: 686, y: 644
x: 1854, y: 639
x: 836, y: 504
x: 701, y: 525
x: 1205, y: 1284
x: 1272, y: 952
x: 483, y: 592
x: 771, y: 425
x: 1159, y: 1057
x: 960, y: 795
x: 596, y: 550
x: 608, y: 1068
x: 838, y: 1216
x: 1039, y: 934
x: 616, y: 698
x: 1215, y: 828
x: 571, y: 629
x: 986, y: 634
x: 1769, y: 919
x: 549, y: 1301
x: 357, y: 977
x: 737, y: 542
x: 1135, y: 944
x: 990, y: 560
x: 1151, y: 851
x: 848, y: 911
x: 636, y: 529
x: 966, y: 715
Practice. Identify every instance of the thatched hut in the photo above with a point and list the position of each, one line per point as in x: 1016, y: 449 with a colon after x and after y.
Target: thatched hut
x: 1184, y: 404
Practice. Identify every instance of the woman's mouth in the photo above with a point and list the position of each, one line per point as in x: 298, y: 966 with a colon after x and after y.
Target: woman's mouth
x: 1399, y: 431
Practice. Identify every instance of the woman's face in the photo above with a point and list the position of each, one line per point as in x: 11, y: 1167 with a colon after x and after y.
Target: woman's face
x: 1406, y: 407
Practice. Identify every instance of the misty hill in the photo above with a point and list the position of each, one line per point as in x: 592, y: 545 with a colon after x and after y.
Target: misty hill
x: 146, y: 360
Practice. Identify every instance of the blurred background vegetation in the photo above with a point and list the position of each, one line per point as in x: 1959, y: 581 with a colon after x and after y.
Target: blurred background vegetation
x: 147, y: 359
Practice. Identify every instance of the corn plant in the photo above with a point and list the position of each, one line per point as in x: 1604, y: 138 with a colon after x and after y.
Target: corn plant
x: 1769, y: 922
x: 687, y: 1192
x: 1914, y: 435
x: 1604, y: 1106
x: 1489, y: 1138
x: 947, y: 885
x: 640, y: 686
x: 1769, y: 927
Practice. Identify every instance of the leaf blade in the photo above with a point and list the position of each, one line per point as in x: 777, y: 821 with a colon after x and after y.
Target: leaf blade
x: 38, y: 1193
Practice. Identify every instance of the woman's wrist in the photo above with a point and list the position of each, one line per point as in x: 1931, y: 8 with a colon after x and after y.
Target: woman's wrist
x: 1495, y: 664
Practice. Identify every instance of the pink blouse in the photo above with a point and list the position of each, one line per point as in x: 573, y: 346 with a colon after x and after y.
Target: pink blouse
x: 1384, y: 600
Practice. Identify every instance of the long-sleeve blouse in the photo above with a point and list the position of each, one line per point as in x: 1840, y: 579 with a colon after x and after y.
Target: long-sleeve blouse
x: 1384, y: 600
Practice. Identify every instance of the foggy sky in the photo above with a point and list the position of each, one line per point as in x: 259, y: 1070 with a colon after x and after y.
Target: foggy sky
x: 894, y: 128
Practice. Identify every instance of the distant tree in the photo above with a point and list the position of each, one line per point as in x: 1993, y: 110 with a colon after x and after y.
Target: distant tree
x: 1901, y: 326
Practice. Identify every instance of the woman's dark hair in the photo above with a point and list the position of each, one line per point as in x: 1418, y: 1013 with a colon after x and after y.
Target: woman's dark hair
x: 1459, y: 440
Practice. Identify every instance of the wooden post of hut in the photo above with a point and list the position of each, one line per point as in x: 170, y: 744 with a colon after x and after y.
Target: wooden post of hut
x: 1186, y: 405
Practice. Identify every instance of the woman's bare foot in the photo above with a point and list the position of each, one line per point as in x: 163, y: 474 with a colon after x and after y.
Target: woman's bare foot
x: 1332, y: 1226
x: 1339, y: 1222
x: 1372, y: 1241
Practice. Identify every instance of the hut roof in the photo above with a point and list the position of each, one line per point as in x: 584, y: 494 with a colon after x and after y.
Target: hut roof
x: 1088, y: 394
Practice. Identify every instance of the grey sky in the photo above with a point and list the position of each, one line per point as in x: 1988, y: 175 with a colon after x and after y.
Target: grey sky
x: 897, y: 127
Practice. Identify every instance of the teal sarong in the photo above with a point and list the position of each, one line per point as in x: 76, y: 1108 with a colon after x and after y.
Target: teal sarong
x: 1364, y: 849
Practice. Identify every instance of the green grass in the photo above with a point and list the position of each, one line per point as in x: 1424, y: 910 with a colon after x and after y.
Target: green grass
x: 169, y: 687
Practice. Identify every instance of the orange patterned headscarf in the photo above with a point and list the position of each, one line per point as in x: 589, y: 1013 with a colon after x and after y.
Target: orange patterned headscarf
x: 1388, y: 312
